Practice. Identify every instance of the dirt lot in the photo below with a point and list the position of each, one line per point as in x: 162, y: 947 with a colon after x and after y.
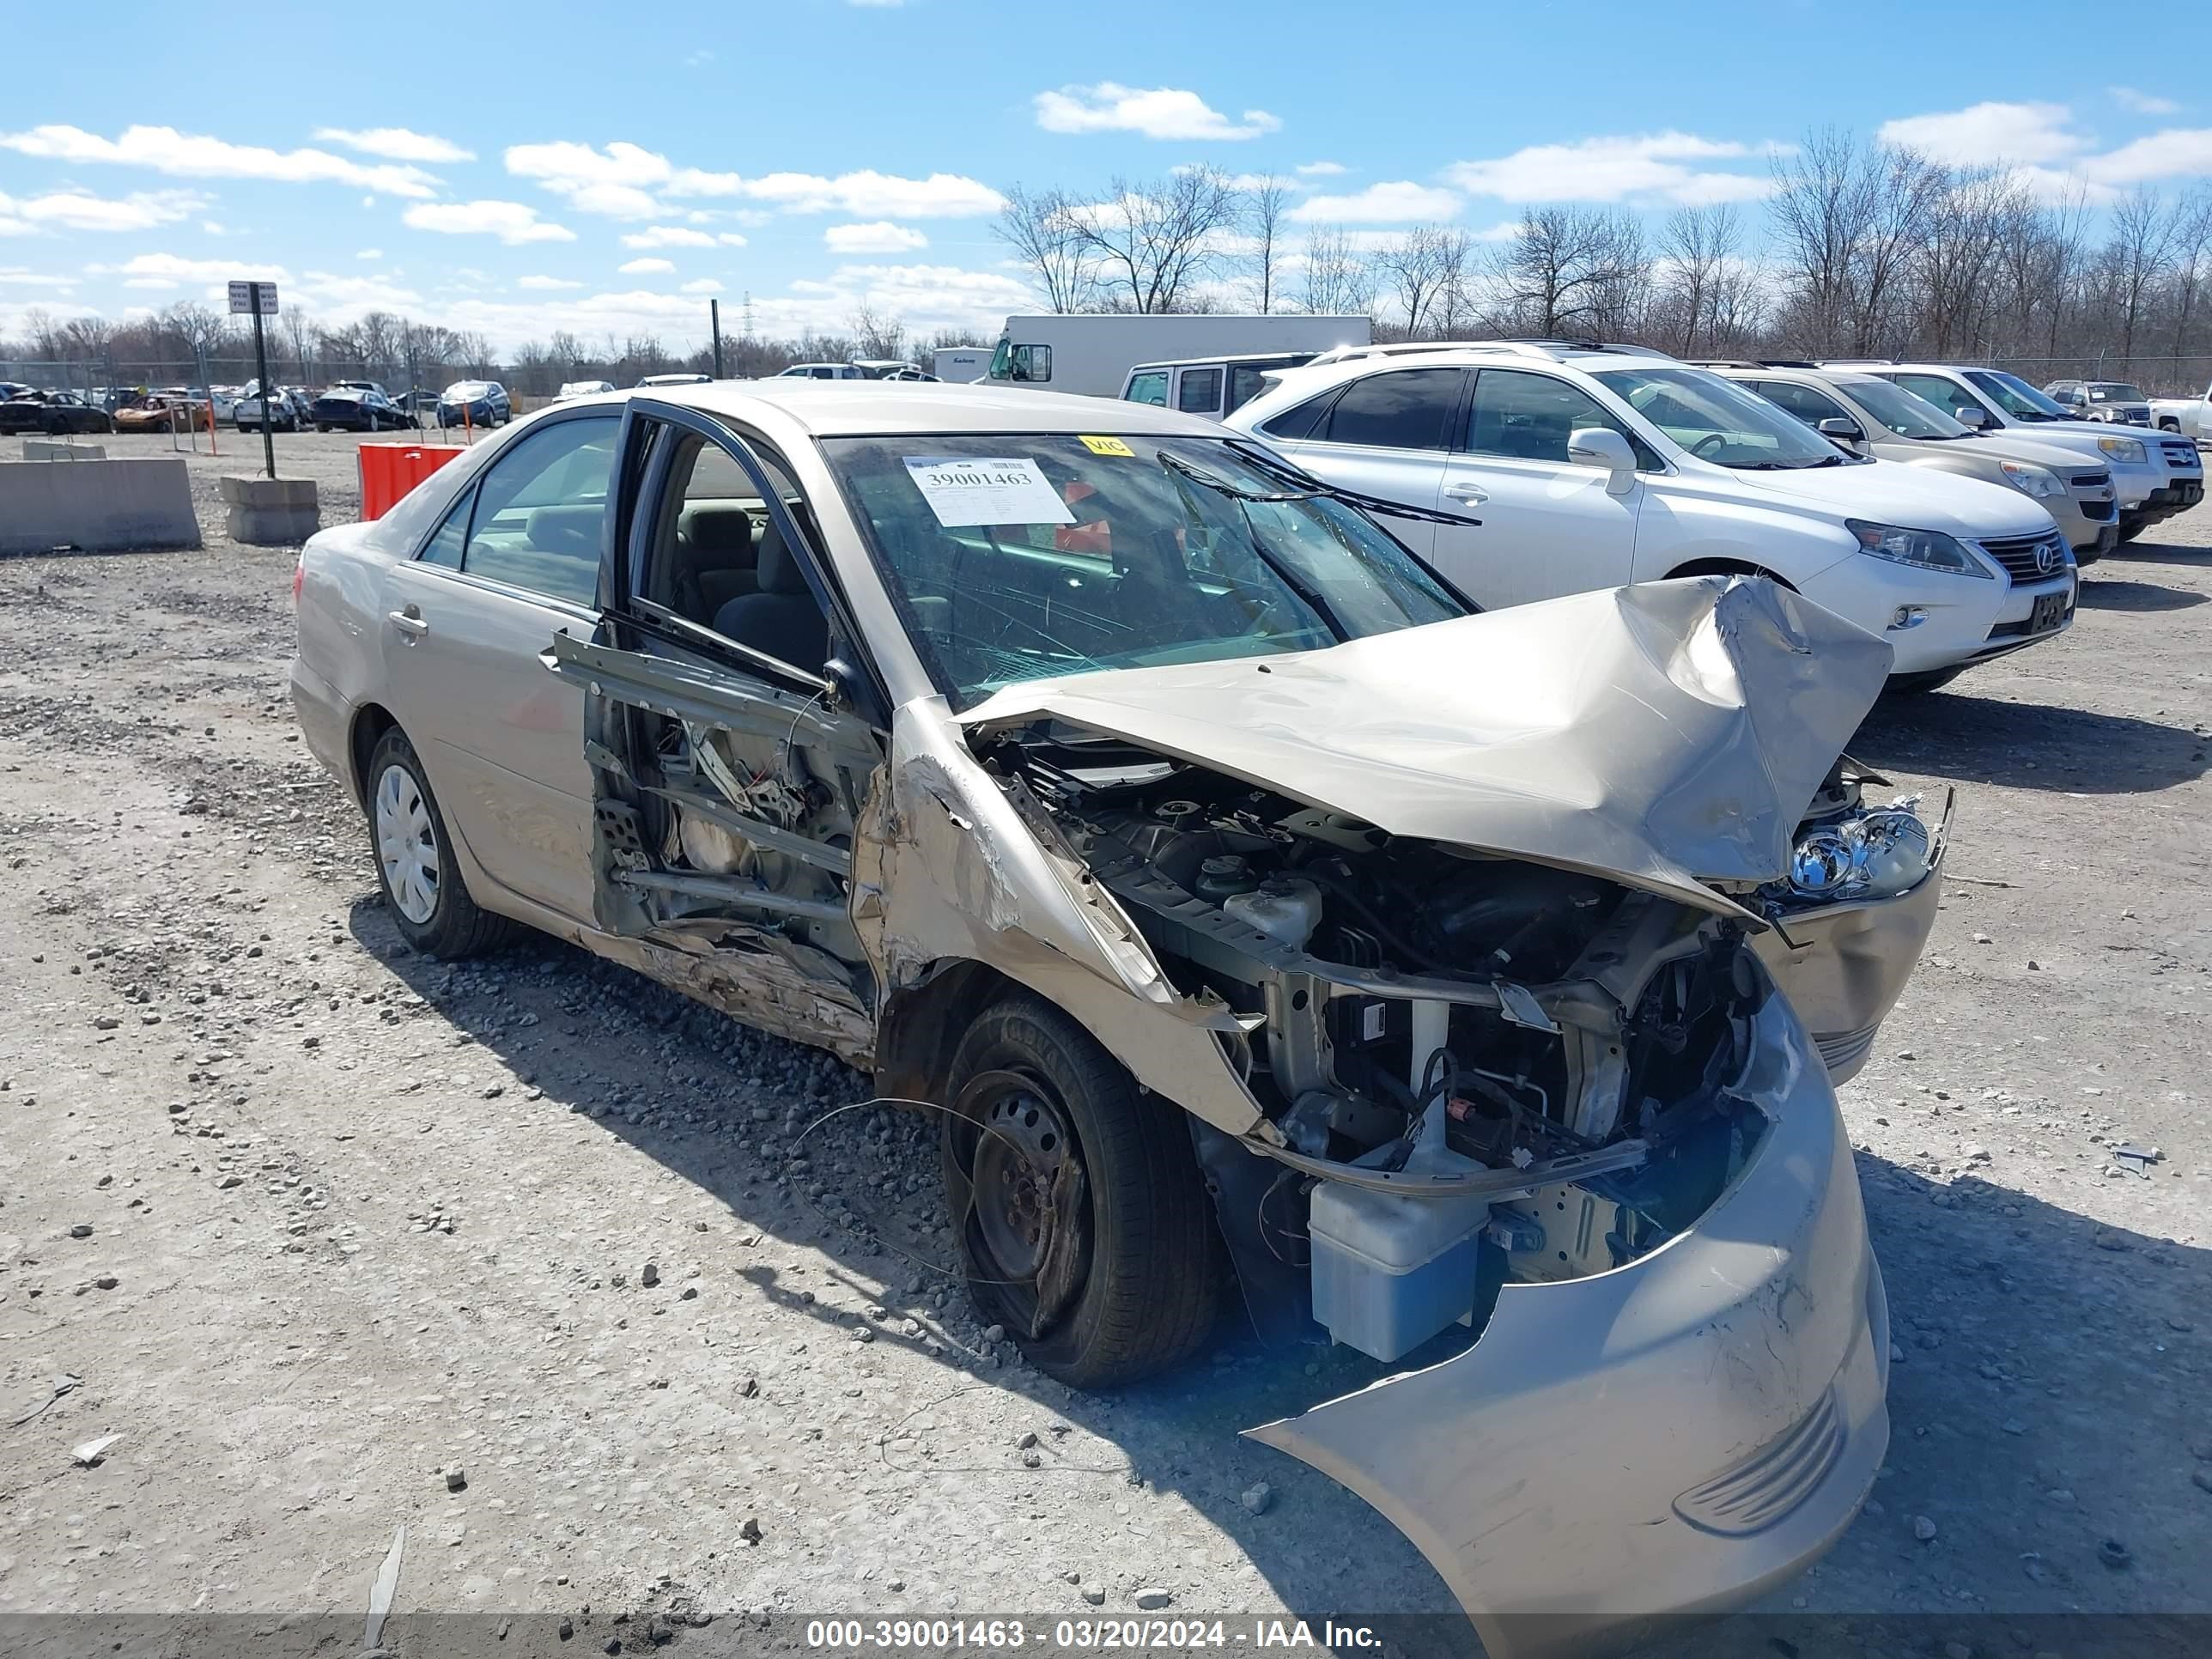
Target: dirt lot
x: 313, y: 1220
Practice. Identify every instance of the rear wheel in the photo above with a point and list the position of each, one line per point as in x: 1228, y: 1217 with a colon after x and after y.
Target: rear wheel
x: 1083, y: 1227
x: 422, y: 887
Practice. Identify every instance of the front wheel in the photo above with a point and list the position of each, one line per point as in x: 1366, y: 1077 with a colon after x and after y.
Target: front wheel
x: 422, y: 887
x: 1932, y: 679
x: 1083, y: 1227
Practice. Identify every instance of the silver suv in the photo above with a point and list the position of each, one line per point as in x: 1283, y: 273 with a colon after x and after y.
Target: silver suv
x: 1862, y: 415
x: 2157, y: 477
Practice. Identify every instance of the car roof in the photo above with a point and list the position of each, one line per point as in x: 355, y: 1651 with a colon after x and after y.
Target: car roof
x: 1224, y: 357
x: 831, y: 409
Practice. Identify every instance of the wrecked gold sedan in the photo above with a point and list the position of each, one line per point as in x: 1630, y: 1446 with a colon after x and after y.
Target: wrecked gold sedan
x: 1470, y: 986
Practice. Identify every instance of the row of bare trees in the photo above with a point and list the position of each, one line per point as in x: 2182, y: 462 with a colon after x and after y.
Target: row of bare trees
x: 1860, y: 249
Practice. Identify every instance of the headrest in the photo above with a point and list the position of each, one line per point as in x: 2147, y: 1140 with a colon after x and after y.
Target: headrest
x: 777, y: 571
x: 720, y: 529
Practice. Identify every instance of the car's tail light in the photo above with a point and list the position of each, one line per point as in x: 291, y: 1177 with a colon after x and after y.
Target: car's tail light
x: 299, y: 577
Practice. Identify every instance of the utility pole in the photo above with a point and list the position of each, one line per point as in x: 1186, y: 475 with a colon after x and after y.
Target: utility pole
x: 714, y: 320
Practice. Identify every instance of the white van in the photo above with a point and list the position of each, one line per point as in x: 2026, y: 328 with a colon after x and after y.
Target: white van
x: 1213, y: 387
x: 1582, y: 467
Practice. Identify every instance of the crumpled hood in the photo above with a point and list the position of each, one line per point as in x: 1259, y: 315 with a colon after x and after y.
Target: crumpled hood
x: 1894, y: 492
x: 1665, y: 735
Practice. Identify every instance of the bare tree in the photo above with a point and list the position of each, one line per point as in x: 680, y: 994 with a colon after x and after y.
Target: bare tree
x: 878, y: 335
x: 1266, y: 203
x: 2136, y: 257
x: 1337, y: 279
x: 1420, y: 267
x: 2192, y: 242
x: 1574, y: 268
x: 1954, y: 261
x: 1153, y: 241
x: 1041, y: 231
x: 1699, y: 247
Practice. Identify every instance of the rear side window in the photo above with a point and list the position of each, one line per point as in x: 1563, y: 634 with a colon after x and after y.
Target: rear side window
x: 1148, y: 388
x: 1807, y: 405
x: 1304, y: 420
x: 1199, y: 391
x: 540, y: 509
x: 1409, y: 409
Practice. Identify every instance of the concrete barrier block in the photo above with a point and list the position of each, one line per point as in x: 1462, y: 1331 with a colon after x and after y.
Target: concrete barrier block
x: 269, y: 512
x: 137, y: 502
x: 60, y: 449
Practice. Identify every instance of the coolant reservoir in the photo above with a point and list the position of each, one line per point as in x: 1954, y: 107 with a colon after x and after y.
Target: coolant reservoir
x: 1285, y: 908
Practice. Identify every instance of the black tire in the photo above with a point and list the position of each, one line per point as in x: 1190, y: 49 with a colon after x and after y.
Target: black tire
x: 1139, y: 1279
x: 456, y: 927
x: 1933, y: 679
x: 2129, y: 532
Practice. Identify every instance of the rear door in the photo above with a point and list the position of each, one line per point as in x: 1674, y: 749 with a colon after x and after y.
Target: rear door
x: 1548, y: 526
x: 1386, y: 434
x: 515, y: 561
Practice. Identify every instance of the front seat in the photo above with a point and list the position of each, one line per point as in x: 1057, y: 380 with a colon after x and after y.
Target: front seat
x: 714, y: 563
x: 783, y: 618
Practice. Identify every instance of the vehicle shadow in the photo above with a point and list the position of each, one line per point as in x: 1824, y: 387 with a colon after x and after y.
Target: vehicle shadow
x: 2021, y: 1325
x: 1954, y: 734
x: 2135, y: 596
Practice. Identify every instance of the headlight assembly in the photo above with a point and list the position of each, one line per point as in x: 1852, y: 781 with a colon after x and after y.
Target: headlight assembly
x: 2038, y: 481
x: 2124, y: 449
x: 1925, y: 549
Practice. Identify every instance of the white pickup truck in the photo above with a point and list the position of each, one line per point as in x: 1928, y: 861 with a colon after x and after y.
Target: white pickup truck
x: 2190, y: 416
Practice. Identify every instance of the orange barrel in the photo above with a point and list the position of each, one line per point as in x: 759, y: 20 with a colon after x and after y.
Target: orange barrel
x: 390, y: 470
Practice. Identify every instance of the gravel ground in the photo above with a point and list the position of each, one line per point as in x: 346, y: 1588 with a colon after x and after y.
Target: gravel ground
x: 315, y: 1222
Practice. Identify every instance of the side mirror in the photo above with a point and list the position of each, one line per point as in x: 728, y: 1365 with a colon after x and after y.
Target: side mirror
x: 1969, y: 416
x: 1603, y: 448
x: 1843, y: 430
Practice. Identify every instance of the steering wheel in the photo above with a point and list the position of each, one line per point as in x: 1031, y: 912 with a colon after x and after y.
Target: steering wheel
x: 1718, y: 439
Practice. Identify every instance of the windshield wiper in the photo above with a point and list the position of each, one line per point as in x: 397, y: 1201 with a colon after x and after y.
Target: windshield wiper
x: 1306, y: 487
x: 1309, y: 595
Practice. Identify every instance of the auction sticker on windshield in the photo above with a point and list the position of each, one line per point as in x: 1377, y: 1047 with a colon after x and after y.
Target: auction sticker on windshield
x: 963, y: 493
x: 1105, y: 446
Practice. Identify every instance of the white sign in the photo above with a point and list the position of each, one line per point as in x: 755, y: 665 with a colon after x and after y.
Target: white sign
x: 988, y: 490
x: 241, y: 299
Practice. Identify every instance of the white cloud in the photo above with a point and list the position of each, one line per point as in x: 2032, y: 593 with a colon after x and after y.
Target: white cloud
x: 1321, y: 169
x: 183, y: 155
x: 545, y: 284
x: 880, y: 237
x: 646, y: 267
x: 396, y: 144
x: 79, y: 209
x: 870, y: 194
x: 171, y: 271
x: 513, y: 222
x: 700, y: 285
x: 1612, y: 169
x: 627, y: 181
x: 17, y: 276
x: 213, y: 228
x: 1157, y: 112
x: 2143, y: 103
x: 681, y: 236
x: 1400, y: 202
x: 1988, y: 133
x: 2176, y: 153
x: 370, y: 253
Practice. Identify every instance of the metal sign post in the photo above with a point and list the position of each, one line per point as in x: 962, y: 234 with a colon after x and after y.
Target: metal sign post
x: 714, y: 321
x: 259, y: 299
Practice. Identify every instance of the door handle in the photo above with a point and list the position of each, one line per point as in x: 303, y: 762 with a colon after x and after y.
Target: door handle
x: 408, y: 622
x: 1465, y: 489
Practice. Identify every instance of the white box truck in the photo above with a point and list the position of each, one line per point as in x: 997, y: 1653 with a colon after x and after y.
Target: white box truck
x: 960, y: 364
x: 1095, y: 354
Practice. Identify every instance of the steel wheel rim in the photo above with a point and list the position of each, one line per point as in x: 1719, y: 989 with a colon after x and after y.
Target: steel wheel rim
x: 407, y: 845
x: 1027, y: 1222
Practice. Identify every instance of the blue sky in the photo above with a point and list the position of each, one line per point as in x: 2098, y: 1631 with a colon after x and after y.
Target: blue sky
x: 519, y: 168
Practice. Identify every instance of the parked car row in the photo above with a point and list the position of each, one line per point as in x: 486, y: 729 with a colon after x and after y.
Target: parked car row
x: 1464, y: 988
x: 27, y: 409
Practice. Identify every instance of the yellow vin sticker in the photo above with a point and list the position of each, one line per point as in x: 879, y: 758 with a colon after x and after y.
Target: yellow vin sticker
x: 1106, y: 445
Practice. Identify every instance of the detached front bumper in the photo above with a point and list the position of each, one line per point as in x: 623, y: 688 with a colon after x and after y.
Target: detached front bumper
x: 1675, y: 1436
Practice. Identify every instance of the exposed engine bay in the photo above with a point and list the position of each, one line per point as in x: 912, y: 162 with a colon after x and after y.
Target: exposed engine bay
x: 1479, y: 1068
